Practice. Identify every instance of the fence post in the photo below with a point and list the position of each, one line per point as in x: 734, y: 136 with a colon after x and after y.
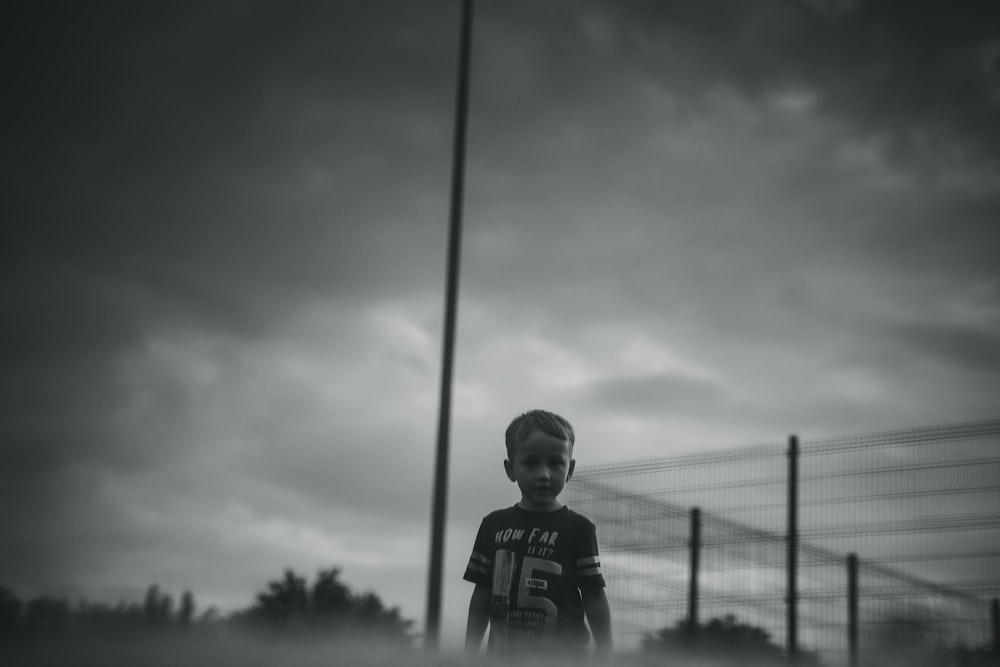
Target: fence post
x: 695, y: 554
x: 792, y: 545
x: 852, y: 609
x: 995, y: 624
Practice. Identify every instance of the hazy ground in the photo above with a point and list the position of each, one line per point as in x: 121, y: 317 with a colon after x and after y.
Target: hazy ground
x: 255, y: 652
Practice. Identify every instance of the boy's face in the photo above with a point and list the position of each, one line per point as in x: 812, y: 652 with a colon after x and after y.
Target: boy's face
x: 541, y: 465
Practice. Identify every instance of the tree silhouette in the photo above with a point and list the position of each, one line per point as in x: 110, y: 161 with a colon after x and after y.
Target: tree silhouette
x: 185, y: 615
x: 328, y: 607
x: 287, y: 606
x: 10, y: 614
x: 156, y: 609
x: 47, y: 615
x: 283, y: 601
x: 724, y: 640
x: 914, y: 641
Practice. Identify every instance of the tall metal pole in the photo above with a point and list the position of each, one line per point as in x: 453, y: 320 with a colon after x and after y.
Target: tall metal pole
x: 433, y: 623
x: 793, y: 549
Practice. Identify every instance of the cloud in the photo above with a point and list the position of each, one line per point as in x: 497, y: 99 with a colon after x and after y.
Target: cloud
x: 954, y: 345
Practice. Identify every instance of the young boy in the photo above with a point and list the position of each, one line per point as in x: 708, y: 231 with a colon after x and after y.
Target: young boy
x: 535, y: 565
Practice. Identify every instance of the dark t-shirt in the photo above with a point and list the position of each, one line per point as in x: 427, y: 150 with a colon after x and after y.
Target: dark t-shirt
x: 535, y: 564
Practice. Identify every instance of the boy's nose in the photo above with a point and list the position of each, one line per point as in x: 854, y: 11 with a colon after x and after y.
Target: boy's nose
x: 543, y: 473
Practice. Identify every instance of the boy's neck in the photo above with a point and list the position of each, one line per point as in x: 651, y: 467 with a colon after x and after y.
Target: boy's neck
x: 556, y: 506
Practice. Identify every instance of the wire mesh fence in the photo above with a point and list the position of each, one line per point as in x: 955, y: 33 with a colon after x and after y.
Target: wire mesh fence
x: 909, y: 521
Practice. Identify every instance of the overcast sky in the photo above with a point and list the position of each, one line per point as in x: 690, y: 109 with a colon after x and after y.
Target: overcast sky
x: 689, y: 224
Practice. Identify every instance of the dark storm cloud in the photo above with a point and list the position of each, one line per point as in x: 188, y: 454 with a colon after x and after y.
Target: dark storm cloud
x: 907, y: 82
x: 659, y: 393
x: 970, y: 348
x: 164, y: 142
x: 925, y: 74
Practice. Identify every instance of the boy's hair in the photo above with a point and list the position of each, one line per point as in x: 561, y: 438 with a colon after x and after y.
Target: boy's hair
x: 541, y: 420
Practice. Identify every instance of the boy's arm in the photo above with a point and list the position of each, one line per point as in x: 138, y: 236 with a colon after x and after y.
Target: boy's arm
x: 479, y: 617
x: 595, y: 605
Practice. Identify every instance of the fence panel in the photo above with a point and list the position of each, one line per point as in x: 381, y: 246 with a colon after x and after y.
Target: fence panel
x: 920, y: 508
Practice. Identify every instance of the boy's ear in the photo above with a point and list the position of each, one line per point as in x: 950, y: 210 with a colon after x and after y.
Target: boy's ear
x: 572, y: 467
x: 509, y: 469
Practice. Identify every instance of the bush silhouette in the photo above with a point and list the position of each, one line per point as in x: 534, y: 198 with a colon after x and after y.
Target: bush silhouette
x: 288, y: 606
x: 328, y: 607
x: 724, y: 640
x: 10, y: 614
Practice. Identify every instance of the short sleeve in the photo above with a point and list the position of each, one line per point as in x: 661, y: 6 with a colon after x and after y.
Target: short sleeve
x: 480, y: 568
x: 588, y: 562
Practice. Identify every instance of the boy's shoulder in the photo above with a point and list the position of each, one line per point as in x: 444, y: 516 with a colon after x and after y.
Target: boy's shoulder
x: 578, y: 519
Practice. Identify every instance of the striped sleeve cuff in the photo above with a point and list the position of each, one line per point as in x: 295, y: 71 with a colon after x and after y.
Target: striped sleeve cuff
x: 588, y: 567
x: 480, y: 563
